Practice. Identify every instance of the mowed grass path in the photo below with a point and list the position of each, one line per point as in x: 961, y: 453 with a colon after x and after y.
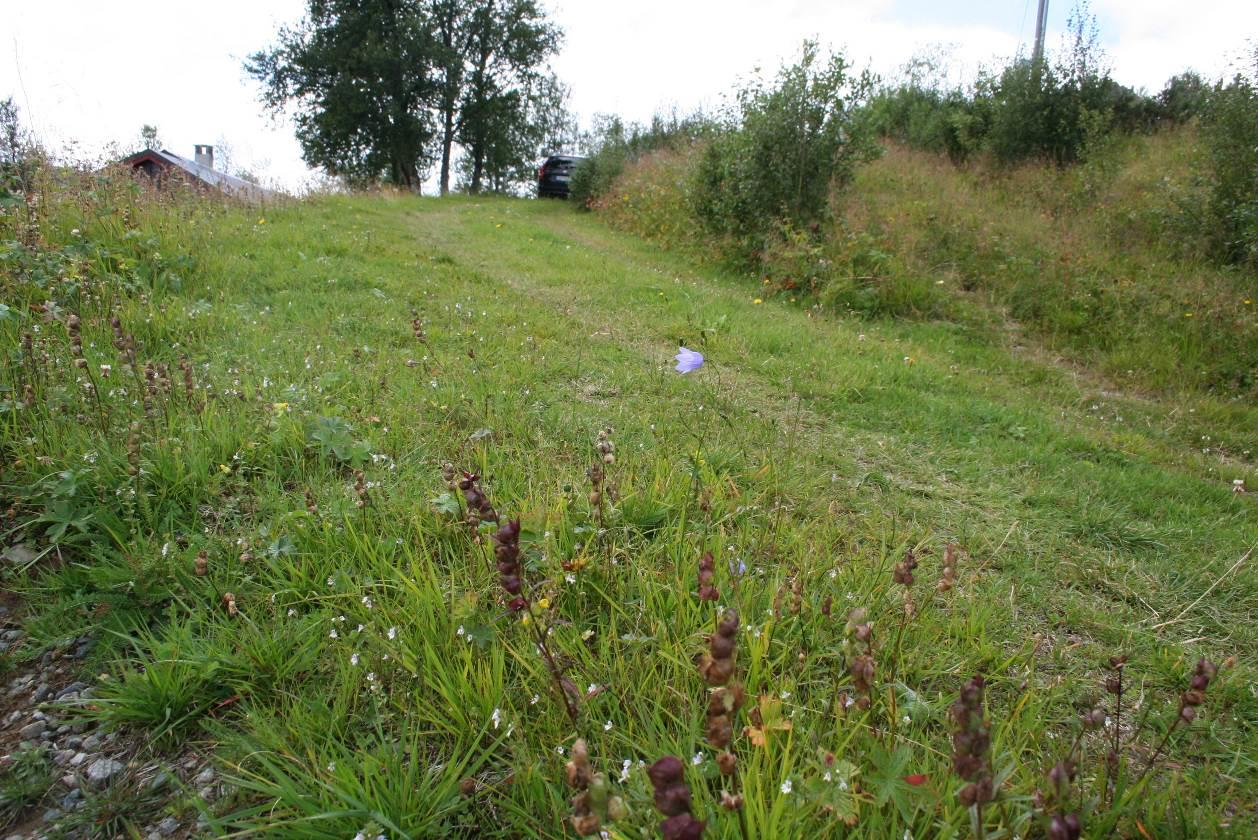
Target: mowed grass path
x: 807, y: 450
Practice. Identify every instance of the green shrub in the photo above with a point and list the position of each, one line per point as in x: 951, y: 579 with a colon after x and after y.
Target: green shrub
x: 1229, y: 129
x: 1050, y: 110
x: 612, y: 145
x: 1184, y: 97
x: 786, y: 146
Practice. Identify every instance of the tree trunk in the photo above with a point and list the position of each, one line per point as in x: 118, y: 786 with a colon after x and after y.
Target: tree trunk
x: 478, y: 169
x: 447, y: 140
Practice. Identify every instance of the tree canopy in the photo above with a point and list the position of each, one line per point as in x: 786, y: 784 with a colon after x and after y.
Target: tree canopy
x: 381, y: 89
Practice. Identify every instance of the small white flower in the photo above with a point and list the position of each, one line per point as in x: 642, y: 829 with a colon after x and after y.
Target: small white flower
x: 785, y: 695
x: 496, y: 717
x: 353, y: 660
x: 333, y: 634
x: 360, y: 836
x: 392, y: 634
x: 842, y: 784
x: 536, y: 697
x: 371, y: 676
x: 786, y: 786
x: 331, y: 766
x: 291, y: 612
x: 906, y: 720
x: 367, y: 602
x: 570, y: 578
x: 827, y: 777
x: 607, y: 727
x: 359, y: 628
x: 624, y: 769
x: 593, y: 688
x: 331, y: 580
x: 697, y: 758
x: 459, y: 632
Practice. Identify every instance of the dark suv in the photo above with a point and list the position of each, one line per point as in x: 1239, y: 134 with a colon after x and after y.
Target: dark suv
x: 555, y: 175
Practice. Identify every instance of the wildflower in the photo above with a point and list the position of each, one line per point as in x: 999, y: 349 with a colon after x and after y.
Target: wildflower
x: 331, y: 580
x: 392, y: 634
x: 948, y: 579
x: 591, y: 805
x: 688, y: 360
x: 757, y: 301
x: 672, y: 799
x: 707, y: 573
x: 506, y: 542
x: 291, y: 612
x: 971, y: 742
x: 786, y: 786
x: 333, y: 634
x: 496, y: 717
x: 353, y: 660
x: 861, y: 666
x: 366, y: 599
x: 607, y: 727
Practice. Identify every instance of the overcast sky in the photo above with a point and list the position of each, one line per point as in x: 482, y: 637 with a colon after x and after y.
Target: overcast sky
x: 90, y: 73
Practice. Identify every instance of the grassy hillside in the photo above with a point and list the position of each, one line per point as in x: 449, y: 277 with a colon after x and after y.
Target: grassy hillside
x: 1091, y: 259
x: 275, y: 576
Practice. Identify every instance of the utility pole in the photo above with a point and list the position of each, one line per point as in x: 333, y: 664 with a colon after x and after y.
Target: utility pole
x: 1041, y: 19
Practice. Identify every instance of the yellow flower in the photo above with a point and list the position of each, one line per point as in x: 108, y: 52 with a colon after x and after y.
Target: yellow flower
x: 1187, y: 314
x: 544, y: 603
x: 224, y: 469
x: 280, y: 407
x: 525, y: 620
x: 1248, y: 301
x: 262, y: 221
x: 757, y: 301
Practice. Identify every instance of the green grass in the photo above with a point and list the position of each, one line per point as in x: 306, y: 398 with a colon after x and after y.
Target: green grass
x: 815, y: 450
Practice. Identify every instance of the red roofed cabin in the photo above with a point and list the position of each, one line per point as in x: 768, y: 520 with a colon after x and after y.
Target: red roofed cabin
x: 162, y: 165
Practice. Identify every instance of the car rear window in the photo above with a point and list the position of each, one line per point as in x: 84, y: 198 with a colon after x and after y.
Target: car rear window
x: 560, y: 164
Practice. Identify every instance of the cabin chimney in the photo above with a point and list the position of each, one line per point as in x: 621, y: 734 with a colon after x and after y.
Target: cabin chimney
x: 205, y: 156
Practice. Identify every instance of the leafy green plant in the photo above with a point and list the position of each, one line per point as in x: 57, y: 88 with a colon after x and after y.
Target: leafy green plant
x: 24, y: 783
x: 333, y: 438
x: 786, y: 146
x: 1229, y: 126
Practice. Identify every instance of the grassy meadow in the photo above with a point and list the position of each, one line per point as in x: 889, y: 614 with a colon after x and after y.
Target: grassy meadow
x: 248, y: 511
